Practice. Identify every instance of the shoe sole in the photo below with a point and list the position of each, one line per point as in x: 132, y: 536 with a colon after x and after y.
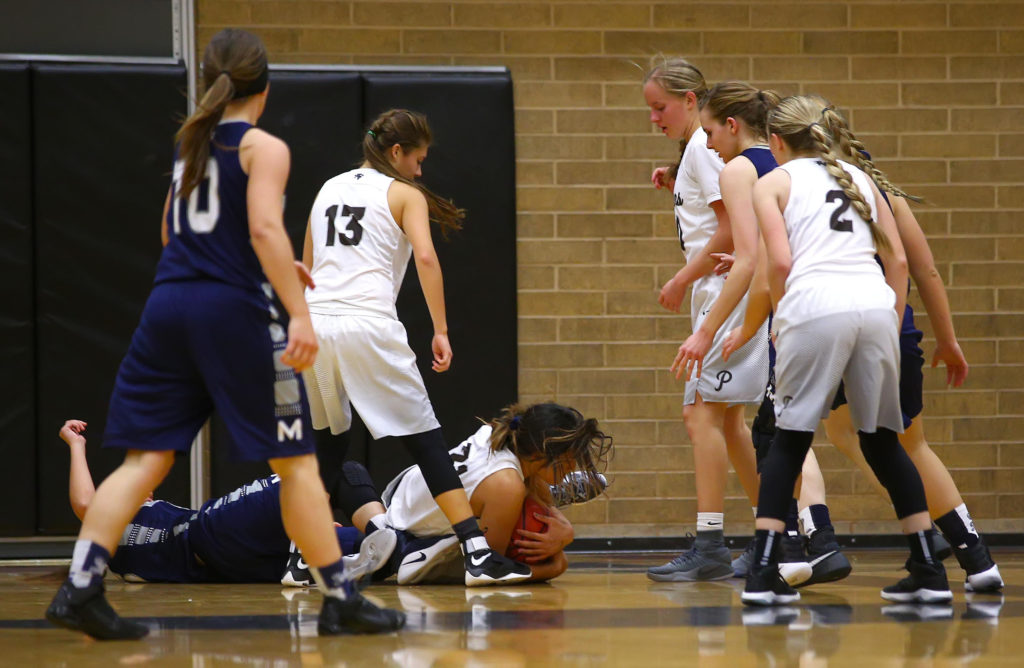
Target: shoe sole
x: 988, y: 581
x: 693, y: 575
x: 436, y: 560
x: 920, y: 596
x: 487, y: 580
x: 62, y: 622
x: 829, y: 567
x: 374, y: 552
x: 765, y: 598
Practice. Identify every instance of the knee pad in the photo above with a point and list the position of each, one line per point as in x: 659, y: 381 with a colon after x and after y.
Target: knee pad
x: 430, y: 453
x: 762, y: 443
x: 355, y: 488
x: 893, y: 468
x: 779, y: 472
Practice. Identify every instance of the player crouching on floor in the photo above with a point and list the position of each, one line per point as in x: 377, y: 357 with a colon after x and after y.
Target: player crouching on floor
x: 520, y: 454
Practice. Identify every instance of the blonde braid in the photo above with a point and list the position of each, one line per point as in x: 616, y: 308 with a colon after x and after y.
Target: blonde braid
x: 857, y: 153
x: 823, y: 143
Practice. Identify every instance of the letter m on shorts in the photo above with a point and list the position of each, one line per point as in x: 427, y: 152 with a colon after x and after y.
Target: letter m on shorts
x: 290, y: 432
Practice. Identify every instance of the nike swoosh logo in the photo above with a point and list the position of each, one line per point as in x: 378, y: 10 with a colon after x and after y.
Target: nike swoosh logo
x: 815, y: 562
x: 714, y: 524
x: 302, y: 565
x: 484, y: 558
x: 421, y: 557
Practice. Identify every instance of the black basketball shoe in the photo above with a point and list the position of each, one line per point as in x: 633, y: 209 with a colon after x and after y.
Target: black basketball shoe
x: 88, y: 611
x: 356, y: 615
x: 487, y: 567
x: 982, y: 573
x: 926, y: 583
x: 765, y: 586
x: 827, y: 561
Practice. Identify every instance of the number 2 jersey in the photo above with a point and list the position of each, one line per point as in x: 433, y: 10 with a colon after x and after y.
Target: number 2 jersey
x: 208, y: 234
x: 411, y: 506
x: 360, y: 254
x: 834, y: 268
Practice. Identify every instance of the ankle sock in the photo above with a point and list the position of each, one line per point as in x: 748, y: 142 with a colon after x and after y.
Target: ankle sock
x: 470, y: 536
x: 710, y: 522
x: 333, y: 581
x: 88, y: 564
x: 958, y: 527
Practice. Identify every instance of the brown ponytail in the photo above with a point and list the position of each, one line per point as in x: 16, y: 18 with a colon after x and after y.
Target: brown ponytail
x: 234, y: 66
x: 738, y: 99
x: 410, y: 131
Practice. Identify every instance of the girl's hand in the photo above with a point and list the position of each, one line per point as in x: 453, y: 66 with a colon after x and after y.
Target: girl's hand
x: 956, y: 363
x: 442, y: 353
x: 536, y: 547
x: 71, y: 432
x: 672, y: 294
x: 693, y: 350
x: 659, y: 181
x: 724, y: 263
x: 302, y: 344
x: 733, y: 341
x: 304, y: 276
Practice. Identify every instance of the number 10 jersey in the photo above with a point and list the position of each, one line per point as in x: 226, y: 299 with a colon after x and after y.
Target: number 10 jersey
x: 360, y: 254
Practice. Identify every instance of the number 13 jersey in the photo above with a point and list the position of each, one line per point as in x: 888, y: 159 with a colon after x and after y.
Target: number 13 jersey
x: 360, y: 254
x: 833, y: 269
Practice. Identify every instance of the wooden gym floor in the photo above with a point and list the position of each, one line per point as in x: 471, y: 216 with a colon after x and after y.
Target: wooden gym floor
x: 602, y: 612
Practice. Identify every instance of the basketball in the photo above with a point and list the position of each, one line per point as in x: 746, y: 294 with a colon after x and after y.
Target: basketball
x: 527, y: 522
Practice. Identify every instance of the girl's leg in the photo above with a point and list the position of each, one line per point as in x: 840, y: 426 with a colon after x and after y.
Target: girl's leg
x: 740, y: 447
x: 841, y: 434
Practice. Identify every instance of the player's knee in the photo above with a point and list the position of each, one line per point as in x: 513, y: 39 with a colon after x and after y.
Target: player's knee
x: 357, y: 489
x: 430, y: 452
x: 894, y: 470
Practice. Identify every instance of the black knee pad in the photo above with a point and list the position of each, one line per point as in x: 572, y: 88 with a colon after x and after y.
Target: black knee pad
x: 430, y: 453
x: 893, y: 468
x: 779, y: 472
x: 355, y: 488
x: 762, y: 443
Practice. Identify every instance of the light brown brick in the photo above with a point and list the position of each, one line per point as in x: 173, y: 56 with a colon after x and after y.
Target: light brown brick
x: 633, y: 303
x: 1011, y: 402
x: 606, y: 382
x: 1010, y: 248
x: 798, y: 15
x: 535, y: 278
x: 596, y: 69
x: 644, y: 42
x: 560, y: 356
x: 535, y: 225
x: 648, y: 510
x: 605, y: 329
x: 990, y: 14
x: 900, y: 120
x: 602, y: 15
x: 985, y: 67
x: 957, y: 403
x: 535, y: 173
x: 851, y: 41
x: 960, y: 94
x: 214, y: 13
x: 988, y: 274
x: 531, y: 198
x: 902, y: 68
x: 737, y: 42
x: 560, y: 94
x: 522, y: 68
x: 401, y: 14
x: 601, y: 121
x: 560, y: 302
x: 1010, y: 196
x: 968, y: 455
x: 348, y: 40
x: 604, y: 225
x: 558, y: 252
x: 601, y: 172
x: 673, y: 329
x: 592, y: 406
x: 632, y: 485
x: 552, y: 41
x: 451, y: 41
x: 277, y: 40
x: 640, y: 198
x: 503, y: 15
x: 628, y: 95
x: 633, y: 251
x: 914, y: 171
x: 1011, y: 93
x: 894, y: 14
x: 987, y: 171
x: 627, y: 433
x: 654, y: 458
x: 546, y: 147
x: 537, y: 330
x: 948, y: 42
x: 696, y: 16
x: 967, y: 299
x: 535, y: 381
x: 984, y: 222
x: 957, y: 197
x: 801, y: 68
x: 990, y: 429
x: 947, y: 145
x: 990, y: 120
x: 1011, y: 299
x: 1011, y: 41
x: 674, y: 485
x: 648, y: 145
x: 647, y: 355
x: 1012, y: 352
x: 605, y: 278
x: 857, y: 94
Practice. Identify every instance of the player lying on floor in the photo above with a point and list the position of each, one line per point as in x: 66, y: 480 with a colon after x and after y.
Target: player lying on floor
x: 522, y: 453
x: 238, y: 537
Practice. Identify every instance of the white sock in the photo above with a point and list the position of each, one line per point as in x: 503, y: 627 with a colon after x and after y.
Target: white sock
x: 807, y: 522
x: 754, y: 508
x: 710, y: 521
x: 377, y: 521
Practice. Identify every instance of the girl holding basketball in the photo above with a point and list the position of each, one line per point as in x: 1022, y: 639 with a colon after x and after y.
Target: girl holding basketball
x: 713, y: 405
x: 510, y: 461
x: 363, y: 227
x: 836, y: 320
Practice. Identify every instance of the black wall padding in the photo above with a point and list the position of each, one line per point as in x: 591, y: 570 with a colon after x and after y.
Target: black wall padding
x: 472, y: 162
x: 17, y: 391
x: 103, y: 143
x: 319, y: 115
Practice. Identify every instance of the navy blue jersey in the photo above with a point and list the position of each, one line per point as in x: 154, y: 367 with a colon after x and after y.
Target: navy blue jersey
x: 762, y: 159
x: 208, y: 234
x: 154, y: 546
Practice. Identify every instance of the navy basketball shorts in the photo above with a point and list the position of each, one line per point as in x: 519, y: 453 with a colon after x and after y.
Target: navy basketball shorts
x: 202, y: 346
x: 911, y: 374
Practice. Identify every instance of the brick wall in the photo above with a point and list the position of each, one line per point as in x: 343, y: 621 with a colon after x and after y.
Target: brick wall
x: 936, y: 90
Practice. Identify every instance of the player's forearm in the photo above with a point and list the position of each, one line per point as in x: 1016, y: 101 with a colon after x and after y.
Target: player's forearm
x: 274, y: 251
x: 933, y: 294
x: 736, y: 285
x: 549, y: 569
x: 81, y: 488
x: 432, y: 284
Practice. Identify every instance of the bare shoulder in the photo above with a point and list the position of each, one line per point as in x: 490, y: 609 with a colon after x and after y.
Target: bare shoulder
x: 503, y: 483
x: 265, y: 143
x: 404, y: 192
x: 774, y: 181
x: 739, y: 170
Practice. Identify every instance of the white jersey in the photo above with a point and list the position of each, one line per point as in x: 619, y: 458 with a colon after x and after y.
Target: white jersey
x: 412, y: 507
x: 360, y: 254
x: 833, y: 269
x: 695, y: 190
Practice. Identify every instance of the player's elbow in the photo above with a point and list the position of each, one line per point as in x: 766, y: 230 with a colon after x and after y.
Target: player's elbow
x: 79, y: 508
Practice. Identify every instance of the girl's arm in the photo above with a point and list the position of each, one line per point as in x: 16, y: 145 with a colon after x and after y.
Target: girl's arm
x: 80, y: 485
x: 736, y: 182
x: 415, y: 221
x: 759, y: 307
x: 674, y: 291
x: 770, y: 193
x: 500, y: 498
x: 933, y: 293
x: 895, y: 259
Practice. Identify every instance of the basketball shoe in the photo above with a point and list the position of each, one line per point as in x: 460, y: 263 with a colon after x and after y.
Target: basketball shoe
x: 707, y: 559
x: 926, y: 583
x: 793, y: 566
x: 765, y: 586
x: 827, y: 561
x: 88, y: 611
x: 356, y: 614
x: 982, y: 573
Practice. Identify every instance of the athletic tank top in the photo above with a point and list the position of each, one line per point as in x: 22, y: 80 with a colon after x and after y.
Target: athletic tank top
x: 413, y: 508
x: 208, y: 234
x: 360, y: 254
x: 833, y: 267
x: 762, y: 159
x: 695, y: 190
